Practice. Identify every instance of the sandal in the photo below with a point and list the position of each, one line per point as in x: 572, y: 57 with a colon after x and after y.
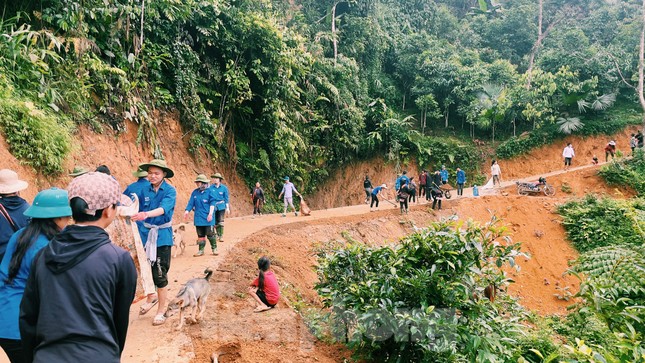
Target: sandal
x: 260, y: 309
x: 145, y: 307
x: 159, y: 319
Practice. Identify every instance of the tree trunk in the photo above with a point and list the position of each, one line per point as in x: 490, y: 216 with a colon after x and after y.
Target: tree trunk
x: 143, y: 9
x: 403, y: 106
x: 333, y: 32
x: 447, y: 112
x: 536, y: 46
x: 641, y: 65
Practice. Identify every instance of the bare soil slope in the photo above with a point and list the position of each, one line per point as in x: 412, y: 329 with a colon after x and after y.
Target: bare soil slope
x: 121, y: 154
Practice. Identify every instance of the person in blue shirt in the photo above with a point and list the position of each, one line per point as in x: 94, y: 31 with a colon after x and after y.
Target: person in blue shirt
x: 375, y: 192
x: 137, y: 188
x: 157, y: 209
x: 220, y: 194
x: 202, y: 202
x: 444, y: 174
x: 403, y: 179
x: 12, y: 206
x: 50, y: 214
x: 461, y: 180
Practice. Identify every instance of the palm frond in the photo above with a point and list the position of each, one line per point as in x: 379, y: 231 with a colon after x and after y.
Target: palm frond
x: 568, y: 125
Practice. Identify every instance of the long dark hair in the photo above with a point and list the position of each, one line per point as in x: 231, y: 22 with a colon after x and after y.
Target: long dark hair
x: 263, y: 266
x: 35, y: 228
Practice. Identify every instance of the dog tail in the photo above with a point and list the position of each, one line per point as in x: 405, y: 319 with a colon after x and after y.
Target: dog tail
x: 208, y: 273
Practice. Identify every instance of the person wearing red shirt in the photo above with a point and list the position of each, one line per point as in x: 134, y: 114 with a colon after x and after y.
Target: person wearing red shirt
x: 265, y: 289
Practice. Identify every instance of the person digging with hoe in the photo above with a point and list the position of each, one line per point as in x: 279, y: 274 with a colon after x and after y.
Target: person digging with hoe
x: 157, y: 209
x: 202, y: 202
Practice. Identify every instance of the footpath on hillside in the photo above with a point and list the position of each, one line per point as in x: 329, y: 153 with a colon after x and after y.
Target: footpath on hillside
x: 172, y: 346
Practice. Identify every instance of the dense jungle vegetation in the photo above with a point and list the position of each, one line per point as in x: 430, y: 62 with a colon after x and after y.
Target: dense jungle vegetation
x: 301, y: 87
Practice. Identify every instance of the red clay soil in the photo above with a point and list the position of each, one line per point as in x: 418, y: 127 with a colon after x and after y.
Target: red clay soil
x: 280, y: 335
x: 120, y: 152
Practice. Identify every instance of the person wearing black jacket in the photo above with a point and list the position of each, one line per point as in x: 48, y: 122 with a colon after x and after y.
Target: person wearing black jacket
x: 257, y: 196
x: 77, y: 300
x: 367, y: 185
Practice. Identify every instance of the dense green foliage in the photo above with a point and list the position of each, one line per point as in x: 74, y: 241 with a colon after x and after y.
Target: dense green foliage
x: 608, y: 125
x: 594, y: 222
x: 303, y: 87
x: 423, y: 299
x: 627, y: 172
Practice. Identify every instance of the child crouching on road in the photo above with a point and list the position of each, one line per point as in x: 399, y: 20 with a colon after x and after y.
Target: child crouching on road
x: 265, y: 289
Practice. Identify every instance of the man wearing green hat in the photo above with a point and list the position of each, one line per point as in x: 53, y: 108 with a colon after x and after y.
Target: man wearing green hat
x: 78, y: 171
x: 202, y: 202
x: 220, y: 193
x: 157, y: 209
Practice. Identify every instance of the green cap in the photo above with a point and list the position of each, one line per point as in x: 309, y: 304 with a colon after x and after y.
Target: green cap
x: 159, y: 163
x: 79, y: 170
x: 202, y: 178
x: 218, y: 176
x: 50, y: 203
x: 139, y: 173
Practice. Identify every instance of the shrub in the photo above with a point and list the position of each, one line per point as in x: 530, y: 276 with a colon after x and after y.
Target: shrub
x: 626, y: 172
x: 523, y: 144
x: 34, y: 135
x: 597, y: 222
x: 422, y: 300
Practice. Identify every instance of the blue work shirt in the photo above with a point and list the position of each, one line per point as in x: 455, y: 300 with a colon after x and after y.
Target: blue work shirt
x: 220, y: 195
x: 444, y: 174
x: 201, y: 202
x: 399, y: 181
x: 11, y: 294
x: 137, y: 188
x: 376, y: 190
x: 165, y: 197
x: 461, y: 177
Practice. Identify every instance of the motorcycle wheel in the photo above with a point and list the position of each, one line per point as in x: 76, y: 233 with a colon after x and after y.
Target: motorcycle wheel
x: 549, y: 190
x: 522, y: 191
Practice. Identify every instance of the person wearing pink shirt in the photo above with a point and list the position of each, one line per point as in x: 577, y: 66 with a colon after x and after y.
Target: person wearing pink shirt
x: 265, y: 289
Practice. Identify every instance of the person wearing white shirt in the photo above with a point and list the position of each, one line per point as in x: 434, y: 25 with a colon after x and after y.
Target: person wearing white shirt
x: 568, y: 154
x: 496, y: 172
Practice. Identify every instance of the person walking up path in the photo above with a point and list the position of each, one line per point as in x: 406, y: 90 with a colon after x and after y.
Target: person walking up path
x: 202, y: 202
x: 444, y: 175
x: 158, y: 207
x: 76, y: 305
x: 50, y: 214
x: 404, y: 195
x: 287, y: 190
x: 222, y: 206
x: 568, y: 153
x: 423, y: 177
x: 12, y: 206
x: 257, y: 197
x: 412, y: 188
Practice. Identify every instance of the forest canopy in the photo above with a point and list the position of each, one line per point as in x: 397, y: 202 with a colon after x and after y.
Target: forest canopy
x: 302, y: 87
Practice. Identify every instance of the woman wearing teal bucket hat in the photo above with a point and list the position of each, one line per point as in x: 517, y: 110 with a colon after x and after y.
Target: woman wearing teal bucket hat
x: 49, y: 214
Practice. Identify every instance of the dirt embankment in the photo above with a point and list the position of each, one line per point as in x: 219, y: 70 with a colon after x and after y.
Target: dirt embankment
x: 344, y: 187
x: 121, y: 153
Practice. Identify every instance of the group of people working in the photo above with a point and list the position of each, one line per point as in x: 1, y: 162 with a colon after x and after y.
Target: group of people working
x: 65, y: 289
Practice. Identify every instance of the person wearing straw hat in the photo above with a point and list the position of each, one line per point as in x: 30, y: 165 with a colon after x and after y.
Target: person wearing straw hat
x: 157, y: 209
x: 220, y: 193
x: 12, y: 206
x: 202, y: 201
x: 76, y: 305
x: 78, y: 171
x: 49, y: 214
x: 288, y: 189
